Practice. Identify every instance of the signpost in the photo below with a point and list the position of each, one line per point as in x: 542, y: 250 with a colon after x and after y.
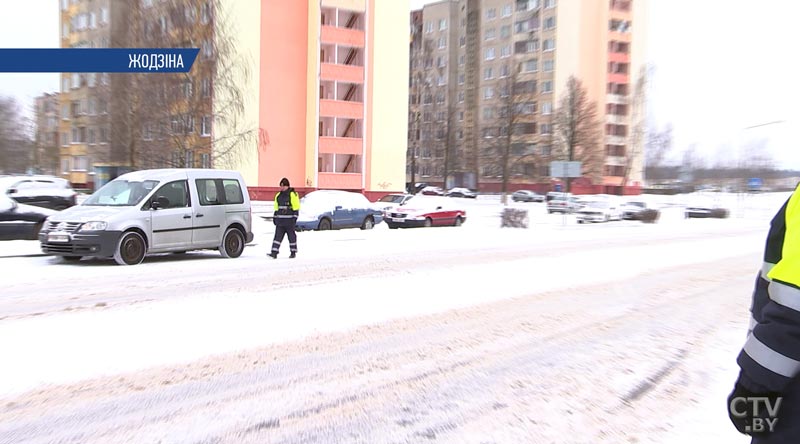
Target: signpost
x: 564, y: 170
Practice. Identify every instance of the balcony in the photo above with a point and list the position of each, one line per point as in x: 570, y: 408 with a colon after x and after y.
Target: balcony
x: 615, y: 160
x: 615, y: 140
x: 341, y: 145
x: 620, y: 36
x: 342, y: 73
x: 342, y: 36
x: 616, y: 99
x: 340, y: 181
x: 616, y: 119
x: 619, y: 57
x: 340, y: 108
x: 618, y: 77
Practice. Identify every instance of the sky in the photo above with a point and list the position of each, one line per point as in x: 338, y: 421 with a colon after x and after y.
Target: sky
x: 719, y: 66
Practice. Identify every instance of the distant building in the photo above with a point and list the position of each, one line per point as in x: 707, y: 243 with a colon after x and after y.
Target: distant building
x: 46, y: 138
x: 463, y: 53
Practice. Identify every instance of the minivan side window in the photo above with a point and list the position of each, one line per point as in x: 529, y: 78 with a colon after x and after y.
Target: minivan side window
x: 207, y: 192
x: 176, y: 192
x: 233, y: 191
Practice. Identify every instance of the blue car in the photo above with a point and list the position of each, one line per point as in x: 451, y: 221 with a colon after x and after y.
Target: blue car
x: 333, y: 209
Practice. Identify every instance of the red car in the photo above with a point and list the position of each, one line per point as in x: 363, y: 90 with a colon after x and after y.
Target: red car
x: 423, y: 211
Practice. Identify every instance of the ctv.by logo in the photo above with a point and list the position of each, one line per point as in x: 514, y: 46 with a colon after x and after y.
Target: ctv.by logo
x: 759, y: 423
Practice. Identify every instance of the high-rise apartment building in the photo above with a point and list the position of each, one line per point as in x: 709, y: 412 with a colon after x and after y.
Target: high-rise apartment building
x: 484, y: 71
x: 333, y: 88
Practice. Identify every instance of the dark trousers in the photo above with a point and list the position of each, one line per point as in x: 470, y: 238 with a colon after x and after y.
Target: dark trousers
x: 284, y: 228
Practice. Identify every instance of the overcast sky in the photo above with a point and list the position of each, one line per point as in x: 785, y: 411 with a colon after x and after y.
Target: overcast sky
x: 720, y: 66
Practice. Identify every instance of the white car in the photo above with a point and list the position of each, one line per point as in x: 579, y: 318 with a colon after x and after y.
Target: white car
x: 598, y: 211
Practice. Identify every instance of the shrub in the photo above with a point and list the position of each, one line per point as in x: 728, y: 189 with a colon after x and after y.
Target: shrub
x: 514, y: 218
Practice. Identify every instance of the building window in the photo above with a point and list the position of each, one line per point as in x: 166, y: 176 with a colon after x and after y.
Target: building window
x: 80, y: 163
x: 549, y: 4
x: 548, y: 65
x: 489, y: 54
x: 205, y: 13
x: 460, y: 96
x: 103, y: 135
x: 205, y: 160
x: 504, y: 71
x: 189, y: 159
x: 490, y: 34
x: 488, y: 74
x: 92, y: 137
x: 442, y: 42
x: 491, y: 13
x: 530, y: 65
x: 147, y: 131
x: 549, y: 23
x: 547, y: 108
x: 205, y: 126
x: 547, y: 86
x: 488, y: 92
x: 76, y: 80
x: 441, y: 80
x: 462, y: 41
x: 488, y: 113
x: 461, y: 60
x: 65, y: 111
x: 428, y: 27
x: 507, y: 10
x: 442, y: 24
x: 64, y: 139
x: 65, y: 164
x: 505, y: 31
x: 546, y: 128
x: 64, y: 4
x: 505, y: 51
x: 207, y: 48
x: 103, y: 15
x: 461, y: 78
x: 65, y: 30
x: 549, y: 45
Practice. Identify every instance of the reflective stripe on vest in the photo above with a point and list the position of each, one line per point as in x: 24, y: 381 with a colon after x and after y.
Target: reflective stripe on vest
x: 770, y: 359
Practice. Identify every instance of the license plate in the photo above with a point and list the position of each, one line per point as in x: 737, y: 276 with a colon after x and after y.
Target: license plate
x: 57, y: 237
x: 397, y: 219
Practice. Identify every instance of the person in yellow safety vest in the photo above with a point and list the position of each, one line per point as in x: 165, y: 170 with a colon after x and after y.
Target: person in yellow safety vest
x: 287, y: 207
x: 765, y: 402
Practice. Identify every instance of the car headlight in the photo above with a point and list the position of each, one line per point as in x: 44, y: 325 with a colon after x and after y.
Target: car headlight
x: 93, y: 226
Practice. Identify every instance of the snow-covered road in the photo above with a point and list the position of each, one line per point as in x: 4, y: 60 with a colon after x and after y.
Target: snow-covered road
x: 618, y: 332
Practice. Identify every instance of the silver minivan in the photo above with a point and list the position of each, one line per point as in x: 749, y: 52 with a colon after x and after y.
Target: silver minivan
x: 155, y: 211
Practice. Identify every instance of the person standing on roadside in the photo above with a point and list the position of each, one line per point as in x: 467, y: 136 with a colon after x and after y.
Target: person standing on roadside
x: 287, y: 208
x: 765, y: 402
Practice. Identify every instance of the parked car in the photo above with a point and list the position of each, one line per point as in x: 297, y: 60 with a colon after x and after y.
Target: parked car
x: 19, y: 221
x: 432, y: 191
x: 461, y: 192
x: 527, y: 196
x: 333, y: 209
x: 563, y: 204
x: 155, y: 211
x: 600, y: 210
x: 392, y: 201
x: 631, y: 209
x: 50, y: 192
x: 423, y: 211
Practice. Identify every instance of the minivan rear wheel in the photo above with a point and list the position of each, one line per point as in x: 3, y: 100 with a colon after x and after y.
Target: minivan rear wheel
x: 131, y: 249
x: 232, y: 243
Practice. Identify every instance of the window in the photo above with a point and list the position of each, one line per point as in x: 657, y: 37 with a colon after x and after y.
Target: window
x: 441, y: 61
x: 442, y: 24
x: 547, y: 108
x: 490, y: 34
x: 488, y: 113
x: 507, y: 10
x: 505, y: 51
x: 546, y: 128
x: 526, y: 108
x: 64, y: 139
x: 205, y: 13
x: 530, y: 65
x: 461, y: 98
x: 505, y: 31
x: 549, y: 4
x: 64, y: 4
x: 65, y: 84
x: 79, y: 163
x: 207, y: 48
x: 92, y: 79
x: 65, y: 30
x: 205, y: 160
x: 491, y: 13
x: 488, y: 92
x: 65, y: 164
x: 549, y: 45
x: 103, y: 15
x: 103, y: 135
x: 548, y: 65
x: 547, y: 86
x: 428, y: 27
x: 189, y: 159
x: 147, y: 131
x: 74, y: 135
x: 76, y: 80
x: 92, y: 138
x: 461, y: 78
x: 462, y: 41
x: 205, y: 126
x: 442, y: 42
x: 488, y: 74
x: 190, y: 14
x: 489, y: 54
x: 92, y: 20
x: 549, y: 23
x: 441, y: 81
x: 187, y: 89
x: 177, y: 193
x: 461, y: 60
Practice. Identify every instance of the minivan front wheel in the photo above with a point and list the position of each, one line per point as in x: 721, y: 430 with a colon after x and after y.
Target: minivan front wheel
x: 131, y: 249
x: 232, y: 243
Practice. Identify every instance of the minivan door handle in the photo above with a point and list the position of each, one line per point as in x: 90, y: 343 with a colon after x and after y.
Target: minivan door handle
x: 199, y: 215
x: 187, y: 216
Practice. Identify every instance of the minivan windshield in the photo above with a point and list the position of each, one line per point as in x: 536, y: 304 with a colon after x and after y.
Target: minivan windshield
x: 121, y: 193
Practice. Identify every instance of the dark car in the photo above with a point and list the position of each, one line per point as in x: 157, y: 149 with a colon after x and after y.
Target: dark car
x: 461, y: 192
x: 19, y: 221
x: 526, y: 196
x: 50, y: 192
x: 631, y: 210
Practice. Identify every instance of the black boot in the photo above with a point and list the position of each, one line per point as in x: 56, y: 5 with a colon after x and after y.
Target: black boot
x: 293, y: 255
x: 273, y: 255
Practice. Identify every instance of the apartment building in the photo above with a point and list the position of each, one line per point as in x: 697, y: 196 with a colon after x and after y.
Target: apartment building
x: 112, y: 123
x: 46, y: 138
x: 333, y: 95
x: 513, y: 59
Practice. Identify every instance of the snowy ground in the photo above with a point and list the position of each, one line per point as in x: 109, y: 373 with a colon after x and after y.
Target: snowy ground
x: 68, y: 330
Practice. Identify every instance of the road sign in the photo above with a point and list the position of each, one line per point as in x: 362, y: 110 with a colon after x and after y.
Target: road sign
x: 565, y: 169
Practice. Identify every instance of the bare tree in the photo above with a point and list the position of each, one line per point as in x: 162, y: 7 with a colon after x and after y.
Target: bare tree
x: 638, y: 128
x: 577, y: 130
x: 175, y: 119
x: 15, y: 146
x: 509, y: 133
x: 657, y: 147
